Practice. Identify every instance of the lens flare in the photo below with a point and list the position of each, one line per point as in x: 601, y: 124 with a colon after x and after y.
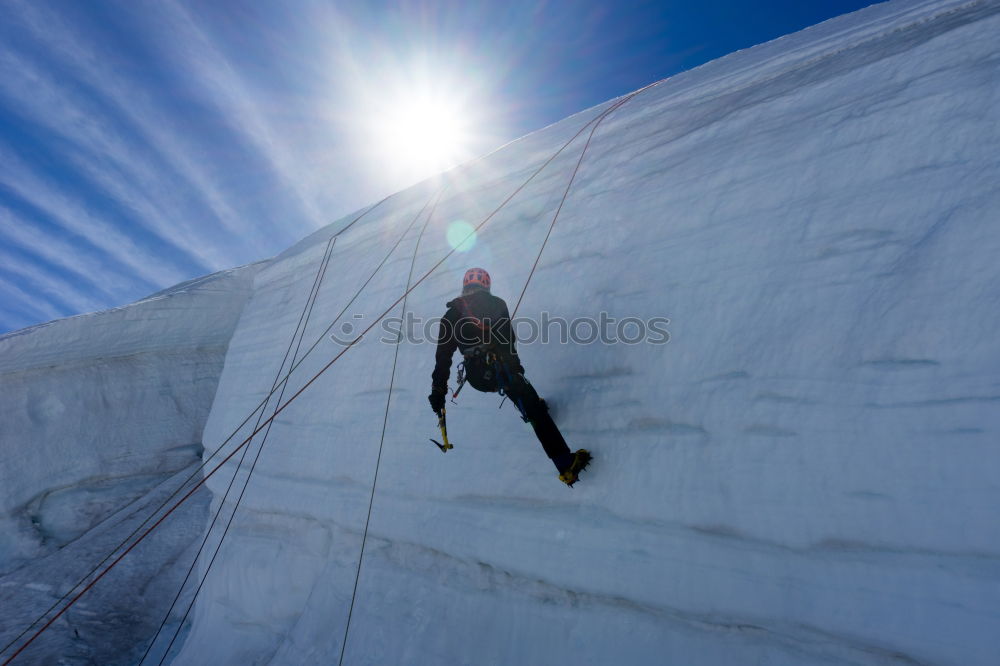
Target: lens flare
x: 461, y: 236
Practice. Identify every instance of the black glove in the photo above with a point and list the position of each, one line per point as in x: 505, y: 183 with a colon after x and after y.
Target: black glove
x: 436, y: 398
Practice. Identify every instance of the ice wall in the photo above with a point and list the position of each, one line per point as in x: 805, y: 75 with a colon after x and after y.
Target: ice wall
x: 807, y: 473
x: 100, y: 408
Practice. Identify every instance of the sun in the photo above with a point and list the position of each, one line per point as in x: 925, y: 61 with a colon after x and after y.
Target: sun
x: 417, y: 128
x: 412, y: 117
x: 423, y: 132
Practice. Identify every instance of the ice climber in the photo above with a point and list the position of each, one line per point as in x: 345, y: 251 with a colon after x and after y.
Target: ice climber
x: 477, y: 323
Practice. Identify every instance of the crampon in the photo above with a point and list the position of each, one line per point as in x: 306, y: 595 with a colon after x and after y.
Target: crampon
x: 571, y: 474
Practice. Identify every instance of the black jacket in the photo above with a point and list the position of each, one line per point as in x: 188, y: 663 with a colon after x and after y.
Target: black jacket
x: 474, y: 319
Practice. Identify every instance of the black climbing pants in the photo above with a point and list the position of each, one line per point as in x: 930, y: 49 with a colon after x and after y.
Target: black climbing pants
x: 492, y: 377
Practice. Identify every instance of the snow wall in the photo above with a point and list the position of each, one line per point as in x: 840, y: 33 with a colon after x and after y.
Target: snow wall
x: 97, y: 413
x: 806, y: 473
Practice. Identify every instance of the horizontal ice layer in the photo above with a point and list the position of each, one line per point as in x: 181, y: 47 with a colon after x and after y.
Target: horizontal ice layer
x: 112, y: 621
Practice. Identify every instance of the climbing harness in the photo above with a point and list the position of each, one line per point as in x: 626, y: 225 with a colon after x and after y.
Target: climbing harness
x: 460, y: 378
x: 495, y: 366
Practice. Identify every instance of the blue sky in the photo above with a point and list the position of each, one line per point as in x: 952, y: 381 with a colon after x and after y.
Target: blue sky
x: 146, y: 142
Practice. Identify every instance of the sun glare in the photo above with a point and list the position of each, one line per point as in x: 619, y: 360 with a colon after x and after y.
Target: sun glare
x: 424, y: 133
x: 416, y: 116
x: 418, y: 127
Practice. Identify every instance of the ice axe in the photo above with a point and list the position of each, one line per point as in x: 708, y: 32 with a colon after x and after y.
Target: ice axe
x: 443, y: 425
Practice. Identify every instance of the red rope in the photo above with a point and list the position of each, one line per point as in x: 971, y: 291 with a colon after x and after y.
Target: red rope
x: 555, y: 217
x: 326, y: 367
x: 191, y: 476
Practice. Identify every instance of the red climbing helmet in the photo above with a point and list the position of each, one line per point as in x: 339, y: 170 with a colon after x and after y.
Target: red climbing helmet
x: 476, y: 277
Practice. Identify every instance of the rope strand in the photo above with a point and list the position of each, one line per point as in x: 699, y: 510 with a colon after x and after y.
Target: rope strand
x: 177, y: 491
x: 378, y: 461
x: 562, y: 201
x: 298, y: 333
x: 253, y: 467
x: 283, y: 406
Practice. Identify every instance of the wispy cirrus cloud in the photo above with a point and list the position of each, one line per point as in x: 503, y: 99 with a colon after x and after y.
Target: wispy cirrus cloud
x: 110, y: 158
x: 101, y: 154
x: 25, y: 308
x: 62, y: 254
x: 76, y: 217
x: 59, y: 294
x: 186, y: 44
x: 147, y: 133
x: 81, y: 58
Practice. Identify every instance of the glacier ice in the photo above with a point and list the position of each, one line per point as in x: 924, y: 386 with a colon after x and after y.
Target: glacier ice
x: 806, y: 473
x: 99, y: 412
